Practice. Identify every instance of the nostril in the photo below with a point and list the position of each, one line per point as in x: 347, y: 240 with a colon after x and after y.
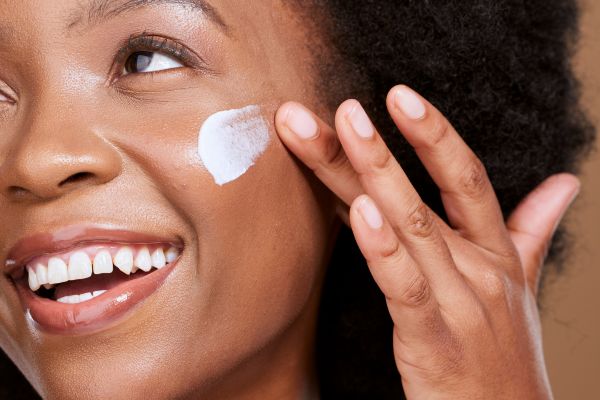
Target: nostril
x: 17, y: 191
x: 71, y: 182
x: 75, y: 178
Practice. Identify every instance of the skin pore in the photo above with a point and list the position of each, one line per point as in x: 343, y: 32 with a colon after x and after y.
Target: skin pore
x: 81, y: 143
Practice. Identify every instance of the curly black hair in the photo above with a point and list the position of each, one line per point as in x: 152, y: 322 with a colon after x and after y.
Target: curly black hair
x: 500, y: 71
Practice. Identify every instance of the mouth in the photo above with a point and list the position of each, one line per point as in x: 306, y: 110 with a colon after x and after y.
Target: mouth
x: 88, y: 283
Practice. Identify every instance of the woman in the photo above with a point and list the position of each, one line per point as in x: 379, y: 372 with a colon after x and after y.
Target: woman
x: 164, y: 235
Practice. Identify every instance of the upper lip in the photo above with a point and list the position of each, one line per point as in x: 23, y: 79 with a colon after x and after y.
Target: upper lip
x: 71, y: 237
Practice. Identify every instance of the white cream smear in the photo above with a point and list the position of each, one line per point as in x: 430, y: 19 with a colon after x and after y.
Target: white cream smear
x: 230, y: 141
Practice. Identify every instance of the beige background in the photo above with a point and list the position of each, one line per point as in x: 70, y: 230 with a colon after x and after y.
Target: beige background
x: 571, y: 318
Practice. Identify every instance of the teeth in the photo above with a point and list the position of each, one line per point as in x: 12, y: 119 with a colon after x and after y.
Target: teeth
x: 32, y: 278
x: 143, y: 260
x: 57, y: 270
x: 69, y: 299
x: 158, y: 258
x: 124, y: 260
x: 80, y: 298
x: 172, y: 254
x: 80, y: 266
x: 103, y: 263
x: 85, y: 296
x: 42, y: 274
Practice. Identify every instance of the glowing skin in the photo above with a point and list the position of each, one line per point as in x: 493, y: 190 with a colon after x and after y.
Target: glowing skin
x: 88, y: 142
x: 230, y: 141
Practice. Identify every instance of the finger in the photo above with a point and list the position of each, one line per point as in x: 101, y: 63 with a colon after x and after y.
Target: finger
x: 533, y: 223
x: 316, y: 144
x: 384, y: 180
x: 468, y: 196
x: 410, y: 299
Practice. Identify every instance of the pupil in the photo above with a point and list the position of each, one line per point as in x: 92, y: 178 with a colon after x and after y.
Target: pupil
x: 139, y: 61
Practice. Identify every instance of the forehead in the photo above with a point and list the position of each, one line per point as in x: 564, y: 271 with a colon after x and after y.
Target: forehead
x: 77, y: 13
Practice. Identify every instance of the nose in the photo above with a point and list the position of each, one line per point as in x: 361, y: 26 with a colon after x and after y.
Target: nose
x: 54, y: 155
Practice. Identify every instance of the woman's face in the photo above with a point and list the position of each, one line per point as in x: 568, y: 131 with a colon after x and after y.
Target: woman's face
x: 101, y: 105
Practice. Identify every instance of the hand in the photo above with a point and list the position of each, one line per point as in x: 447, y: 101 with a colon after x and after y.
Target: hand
x: 462, y: 296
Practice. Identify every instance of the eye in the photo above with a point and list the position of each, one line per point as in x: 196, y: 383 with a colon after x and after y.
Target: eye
x: 149, y: 61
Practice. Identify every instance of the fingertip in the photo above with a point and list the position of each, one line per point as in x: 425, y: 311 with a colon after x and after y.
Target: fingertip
x: 406, y: 101
x: 298, y: 119
x: 282, y: 113
x: 571, y: 182
x: 347, y: 107
x: 560, y: 189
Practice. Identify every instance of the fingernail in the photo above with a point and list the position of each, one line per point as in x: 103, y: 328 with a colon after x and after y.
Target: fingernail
x: 360, y: 122
x: 370, y: 213
x: 302, y: 123
x: 409, y: 103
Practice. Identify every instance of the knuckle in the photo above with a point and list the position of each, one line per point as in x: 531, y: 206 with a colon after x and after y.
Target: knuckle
x: 474, y: 179
x: 439, y: 132
x: 335, y: 157
x: 382, y: 161
x: 495, y: 284
x: 419, y: 221
x: 417, y: 293
x: 391, y: 250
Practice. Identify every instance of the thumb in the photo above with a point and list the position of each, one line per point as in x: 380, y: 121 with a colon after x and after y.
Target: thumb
x: 533, y: 223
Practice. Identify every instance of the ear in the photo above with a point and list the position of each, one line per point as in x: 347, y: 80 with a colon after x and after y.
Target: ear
x: 533, y: 223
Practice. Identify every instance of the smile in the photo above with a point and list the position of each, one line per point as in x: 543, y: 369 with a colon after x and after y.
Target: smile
x: 88, y: 282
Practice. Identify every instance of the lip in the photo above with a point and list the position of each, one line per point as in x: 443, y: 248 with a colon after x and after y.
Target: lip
x: 95, y: 314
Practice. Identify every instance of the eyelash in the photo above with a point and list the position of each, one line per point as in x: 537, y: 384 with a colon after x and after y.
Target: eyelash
x: 155, y: 43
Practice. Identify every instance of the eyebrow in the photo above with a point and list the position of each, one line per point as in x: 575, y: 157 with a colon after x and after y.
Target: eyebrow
x: 99, y: 11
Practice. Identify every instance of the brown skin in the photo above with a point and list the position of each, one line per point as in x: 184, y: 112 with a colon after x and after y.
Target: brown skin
x: 462, y: 297
x: 236, y: 318
x: 240, y: 307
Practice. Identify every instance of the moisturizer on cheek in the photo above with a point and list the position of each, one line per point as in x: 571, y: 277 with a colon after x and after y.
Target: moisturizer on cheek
x: 230, y: 142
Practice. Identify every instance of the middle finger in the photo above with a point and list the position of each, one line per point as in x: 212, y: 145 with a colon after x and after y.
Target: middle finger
x: 385, y: 181
x: 467, y: 193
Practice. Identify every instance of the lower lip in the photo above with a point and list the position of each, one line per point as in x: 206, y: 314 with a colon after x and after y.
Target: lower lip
x: 95, y: 314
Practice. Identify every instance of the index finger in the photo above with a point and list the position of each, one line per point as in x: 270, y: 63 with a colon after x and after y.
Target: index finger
x: 317, y: 145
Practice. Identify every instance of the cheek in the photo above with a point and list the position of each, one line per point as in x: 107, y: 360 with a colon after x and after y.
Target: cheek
x: 255, y: 245
x: 254, y: 217
x: 259, y: 238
